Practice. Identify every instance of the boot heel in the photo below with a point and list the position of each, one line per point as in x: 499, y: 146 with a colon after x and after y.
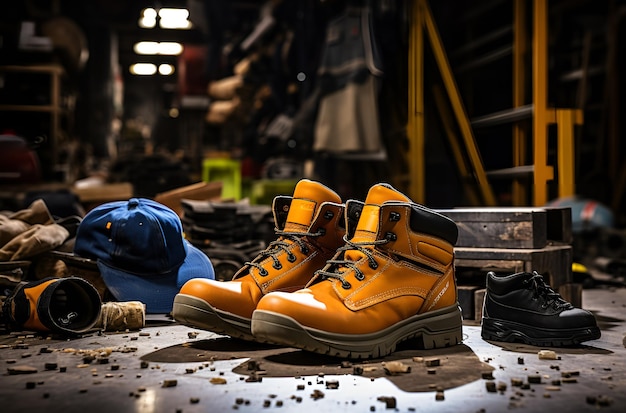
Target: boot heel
x: 444, y: 329
x: 439, y: 340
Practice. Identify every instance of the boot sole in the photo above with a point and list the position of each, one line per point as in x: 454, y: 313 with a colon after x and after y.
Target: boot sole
x: 511, y: 332
x: 436, y: 329
x: 194, y: 312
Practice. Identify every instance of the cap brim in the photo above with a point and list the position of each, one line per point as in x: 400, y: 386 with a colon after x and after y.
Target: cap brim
x: 156, y: 291
x: 72, y: 260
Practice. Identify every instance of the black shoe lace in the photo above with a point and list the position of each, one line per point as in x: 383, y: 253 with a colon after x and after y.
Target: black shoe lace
x: 337, y: 270
x: 285, y: 240
x: 537, y: 284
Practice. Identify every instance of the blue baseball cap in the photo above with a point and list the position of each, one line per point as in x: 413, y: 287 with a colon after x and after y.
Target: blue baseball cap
x: 141, y: 252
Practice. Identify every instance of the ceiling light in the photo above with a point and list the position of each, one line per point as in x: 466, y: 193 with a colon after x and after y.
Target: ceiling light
x: 170, y: 48
x: 148, y: 18
x: 143, y: 69
x: 146, y: 48
x: 156, y: 48
x: 166, y: 69
x: 174, y: 18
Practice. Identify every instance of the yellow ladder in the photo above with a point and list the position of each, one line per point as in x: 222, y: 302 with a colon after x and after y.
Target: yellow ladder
x: 465, y: 150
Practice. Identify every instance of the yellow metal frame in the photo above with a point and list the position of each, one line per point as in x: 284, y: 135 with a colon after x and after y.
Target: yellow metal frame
x: 542, y: 172
x: 423, y: 22
x: 453, y: 140
x: 565, y: 119
x: 415, y: 121
x: 520, y: 132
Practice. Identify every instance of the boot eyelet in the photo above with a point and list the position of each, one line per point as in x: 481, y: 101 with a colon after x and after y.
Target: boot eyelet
x: 321, y: 231
x: 346, y: 285
x: 373, y: 265
x: 305, y: 250
x: 390, y: 236
x: 277, y: 266
x: 263, y: 272
x: 359, y: 276
x: 291, y: 257
x: 394, y: 216
x: 329, y: 214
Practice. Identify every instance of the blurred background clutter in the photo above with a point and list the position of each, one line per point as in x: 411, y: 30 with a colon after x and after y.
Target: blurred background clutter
x: 501, y: 103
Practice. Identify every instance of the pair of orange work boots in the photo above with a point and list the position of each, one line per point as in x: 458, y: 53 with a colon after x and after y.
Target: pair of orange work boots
x: 348, y: 280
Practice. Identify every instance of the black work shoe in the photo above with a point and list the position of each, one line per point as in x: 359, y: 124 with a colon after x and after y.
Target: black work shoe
x: 523, y: 308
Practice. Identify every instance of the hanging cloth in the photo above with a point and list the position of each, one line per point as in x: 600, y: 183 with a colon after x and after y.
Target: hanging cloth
x: 347, y: 119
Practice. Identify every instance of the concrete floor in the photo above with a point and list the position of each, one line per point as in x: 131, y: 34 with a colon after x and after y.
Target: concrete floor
x: 166, y: 367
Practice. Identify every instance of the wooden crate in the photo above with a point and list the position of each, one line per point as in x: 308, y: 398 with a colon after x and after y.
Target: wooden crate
x: 510, y: 227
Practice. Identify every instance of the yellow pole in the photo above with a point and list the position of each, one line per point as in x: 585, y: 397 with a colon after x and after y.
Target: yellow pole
x: 457, y: 105
x: 519, y: 190
x: 542, y: 172
x: 565, y: 121
x: 415, y: 124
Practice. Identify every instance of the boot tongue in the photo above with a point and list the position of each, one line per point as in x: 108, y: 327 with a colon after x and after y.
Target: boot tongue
x: 307, y: 197
x: 367, y: 227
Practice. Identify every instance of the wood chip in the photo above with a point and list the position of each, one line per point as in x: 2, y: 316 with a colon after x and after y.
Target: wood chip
x: 332, y: 384
x: 487, y: 375
x: 390, y: 402
x: 547, y: 355
x: 395, y: 367
x: 516, y: 382
x: 217, y: 380
x: 170, y: 383
x: 21, y: 370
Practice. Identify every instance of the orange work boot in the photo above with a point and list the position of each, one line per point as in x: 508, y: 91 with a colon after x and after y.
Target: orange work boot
x: 309, y: 228
x: 392, y: 281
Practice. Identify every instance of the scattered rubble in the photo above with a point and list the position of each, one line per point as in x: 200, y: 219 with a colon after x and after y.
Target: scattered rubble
x: 487, y: 375
x: 432, y: 362
x: 317, y: 394
x: 332, y: 384
x: 393, y: 368
x: 390, y: 401
x: 21, y: 370
x: 547, y: 355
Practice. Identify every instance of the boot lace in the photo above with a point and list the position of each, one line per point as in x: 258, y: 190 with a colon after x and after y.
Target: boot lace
x: 540, y: 289
x: 285, y: 240
x: 338, y: 266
